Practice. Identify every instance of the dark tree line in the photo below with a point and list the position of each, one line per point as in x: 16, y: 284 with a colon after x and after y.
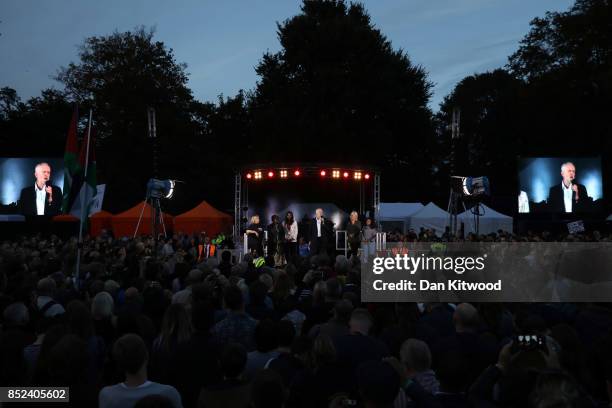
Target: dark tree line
x: 336, y: 91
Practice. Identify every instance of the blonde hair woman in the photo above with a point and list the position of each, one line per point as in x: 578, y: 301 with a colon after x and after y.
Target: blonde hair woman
x: 353, y: 234
x: 255, y: 236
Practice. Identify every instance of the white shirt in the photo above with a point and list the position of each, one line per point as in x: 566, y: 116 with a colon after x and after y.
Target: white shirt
x: 41, y: 196
x: 523, y: 202
x: 319, y: 222
x: 567, y: 197
x: 292, y: 232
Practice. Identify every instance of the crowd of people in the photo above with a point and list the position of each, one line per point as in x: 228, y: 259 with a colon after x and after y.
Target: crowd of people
x: 175, y: 326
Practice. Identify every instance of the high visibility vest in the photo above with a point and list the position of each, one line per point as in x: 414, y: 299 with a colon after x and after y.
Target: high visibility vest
x: 212, y: 249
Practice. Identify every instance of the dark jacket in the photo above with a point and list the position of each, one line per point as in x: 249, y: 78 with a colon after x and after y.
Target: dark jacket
x: 27, y: 201
x: 556, y: 204
x: 326, y: 236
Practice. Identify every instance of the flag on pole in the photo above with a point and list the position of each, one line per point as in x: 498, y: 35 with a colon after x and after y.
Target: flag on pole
x: 86, y: 178
x: 70, y: 162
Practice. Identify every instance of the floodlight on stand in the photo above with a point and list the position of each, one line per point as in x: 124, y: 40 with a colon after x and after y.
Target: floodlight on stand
x: 160, y: 188
x: 471, y: 186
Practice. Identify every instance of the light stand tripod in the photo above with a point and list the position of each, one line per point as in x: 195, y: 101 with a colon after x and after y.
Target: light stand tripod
x: 156, y: 190
x: 156, y: 216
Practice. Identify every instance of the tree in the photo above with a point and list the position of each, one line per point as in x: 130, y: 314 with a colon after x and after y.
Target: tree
x: 338, y: 91
x: 577, y: 40
x: 120, y: 76
x: 566, y: 59
x: 490, y: 131
x: 9, y: 102
x: 36, y: 127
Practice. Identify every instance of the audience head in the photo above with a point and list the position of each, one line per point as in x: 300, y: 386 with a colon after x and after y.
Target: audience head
x: 233, y: 360
x: 16, y: 314
x: 451, y: 372
x: 285, y: 333
x: 176, y: 326
x: 79, y: 319
x: 415, y: 355
x: 102, y: 306
x: 194, y: 276
x: 268, y: 390
x: 343, y: 310
x: 233, y: 299
x: 556, y: 390
x: 46, y: 287
x: 112, y: 287
x: 266, y: 336
x: 130, y: 354
x: 361, y: 321
x: 466, y: 318
x: 378, y: 384
x: 323, y: 350
x: 68, y: 361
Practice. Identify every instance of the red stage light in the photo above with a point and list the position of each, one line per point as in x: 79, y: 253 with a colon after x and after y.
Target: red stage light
x: 270, y: 174
x: 367, y: 176
x: 249, y: 176
x: 297, y: 173
x: 345, y: 174
x: 323, y: 173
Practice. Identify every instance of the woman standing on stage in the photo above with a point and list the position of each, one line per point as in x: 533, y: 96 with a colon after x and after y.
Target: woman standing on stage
x: 291, y: 234
x: 353, y: 234
x: 255, y: 236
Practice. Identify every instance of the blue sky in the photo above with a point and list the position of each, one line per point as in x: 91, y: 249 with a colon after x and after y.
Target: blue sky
x: 222, y: 41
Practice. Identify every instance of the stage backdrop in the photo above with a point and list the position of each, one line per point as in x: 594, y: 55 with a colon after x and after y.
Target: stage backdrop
x: 337, y: 197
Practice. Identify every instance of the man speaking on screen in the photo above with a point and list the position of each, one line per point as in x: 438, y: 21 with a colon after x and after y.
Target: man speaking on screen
x: 42, y: 198
x: 568, y: 196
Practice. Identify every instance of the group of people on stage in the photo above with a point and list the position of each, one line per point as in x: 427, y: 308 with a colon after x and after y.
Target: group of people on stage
x: 286, y: 244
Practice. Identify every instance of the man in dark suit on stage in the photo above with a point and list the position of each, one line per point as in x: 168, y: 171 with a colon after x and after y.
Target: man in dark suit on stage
x: 567, y: 196
x: 42, y: 198
x: 320, y: 232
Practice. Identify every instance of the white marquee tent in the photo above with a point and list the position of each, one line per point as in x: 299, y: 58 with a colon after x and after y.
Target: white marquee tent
x: 393, y: 216
x: 490, y: 221
x: 429, y: 217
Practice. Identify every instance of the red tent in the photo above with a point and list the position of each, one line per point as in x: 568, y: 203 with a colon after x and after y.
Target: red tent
x: 124, y: 224
x: 204, y: 217
x: 99, y: 221
x: 65, y: 218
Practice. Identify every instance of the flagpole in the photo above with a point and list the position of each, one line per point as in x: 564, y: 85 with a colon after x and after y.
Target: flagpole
x: 83, y: 188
